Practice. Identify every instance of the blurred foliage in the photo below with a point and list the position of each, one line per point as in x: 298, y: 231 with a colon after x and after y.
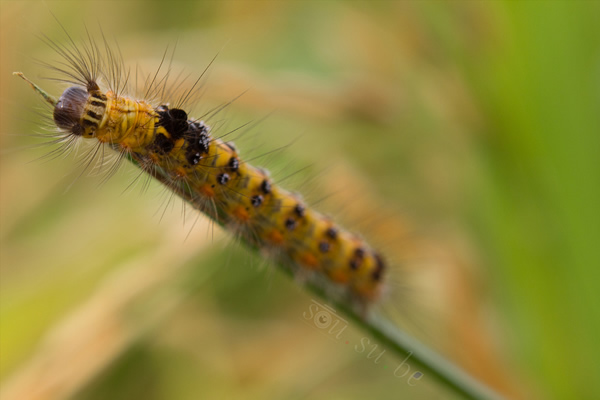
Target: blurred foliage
x: 479, y: 120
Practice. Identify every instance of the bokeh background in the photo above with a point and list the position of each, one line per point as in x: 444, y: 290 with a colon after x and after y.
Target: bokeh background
x: 471, y: 125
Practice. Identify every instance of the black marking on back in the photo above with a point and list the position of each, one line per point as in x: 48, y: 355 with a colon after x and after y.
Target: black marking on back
x: 377, y: 273
x: 359, y: 253
x: 192, y: 157
x: 174, y: 121
x: 332, y: 233
x: 300, y: 210
x: 163, y: 144
x: 234, y: 164
x: 265, y: 186
x: 290, y: 224
x: 357, y: 258
x: 223, y: 179
x: 197, y: 140
x: 256, y: 200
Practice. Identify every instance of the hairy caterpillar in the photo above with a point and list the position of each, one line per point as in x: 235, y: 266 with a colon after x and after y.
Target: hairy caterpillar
x: 181, y: 151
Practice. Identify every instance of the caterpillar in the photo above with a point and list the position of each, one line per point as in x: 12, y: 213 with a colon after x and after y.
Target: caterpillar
x: 184, y: 154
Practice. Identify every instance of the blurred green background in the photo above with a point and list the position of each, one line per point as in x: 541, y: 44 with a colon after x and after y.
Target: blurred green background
x: 478, y: 121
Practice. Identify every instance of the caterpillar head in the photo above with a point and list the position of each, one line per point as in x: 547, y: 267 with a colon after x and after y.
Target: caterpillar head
x: 69, y: 109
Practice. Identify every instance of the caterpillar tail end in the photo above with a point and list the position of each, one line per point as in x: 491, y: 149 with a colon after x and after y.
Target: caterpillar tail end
x: 49, y: 99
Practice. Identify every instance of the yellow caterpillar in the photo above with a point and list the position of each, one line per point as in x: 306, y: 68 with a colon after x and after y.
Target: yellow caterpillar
x: 234, y: 193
